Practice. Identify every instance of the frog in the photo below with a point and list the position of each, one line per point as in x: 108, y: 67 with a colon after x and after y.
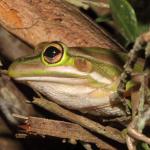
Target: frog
x: 78, y: 78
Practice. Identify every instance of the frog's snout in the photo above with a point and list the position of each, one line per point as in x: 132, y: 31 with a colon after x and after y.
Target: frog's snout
x: 12, y: 70
x: 17, y: 68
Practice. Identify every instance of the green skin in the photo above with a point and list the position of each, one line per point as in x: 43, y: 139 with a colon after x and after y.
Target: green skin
x: 82, y: 79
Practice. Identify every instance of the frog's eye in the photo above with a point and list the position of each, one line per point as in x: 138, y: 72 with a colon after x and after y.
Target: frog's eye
x: 53, y: 53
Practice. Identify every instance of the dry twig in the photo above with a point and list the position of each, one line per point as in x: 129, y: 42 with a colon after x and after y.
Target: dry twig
x: 61, y: 129
x: 139, y: 117
x: 128, y: 68
x: 109, y: 132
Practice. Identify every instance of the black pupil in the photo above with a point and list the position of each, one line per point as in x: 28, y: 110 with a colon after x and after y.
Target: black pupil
x: 51, y: 52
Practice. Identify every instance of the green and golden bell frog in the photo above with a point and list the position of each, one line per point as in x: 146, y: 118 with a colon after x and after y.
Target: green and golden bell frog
x: 78, y: 78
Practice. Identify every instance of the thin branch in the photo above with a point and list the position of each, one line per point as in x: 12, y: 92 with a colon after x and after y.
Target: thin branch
x: 135, y: 134
x: 130, y: 144
x: 109, y: 132
x: 128, y: 68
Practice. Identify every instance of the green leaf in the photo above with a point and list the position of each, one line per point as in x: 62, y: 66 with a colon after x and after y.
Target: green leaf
x: 104, y: 18
x: 142, y: 146
x: 143, y: 27
x: 125, y: 18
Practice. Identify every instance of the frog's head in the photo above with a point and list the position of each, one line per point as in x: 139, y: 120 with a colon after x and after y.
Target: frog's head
x: 56, y: 62
x: 74, y: 77
x: 49, y: 60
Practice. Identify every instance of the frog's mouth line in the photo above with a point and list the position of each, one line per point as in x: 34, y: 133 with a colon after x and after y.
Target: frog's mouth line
x: 54, y: 79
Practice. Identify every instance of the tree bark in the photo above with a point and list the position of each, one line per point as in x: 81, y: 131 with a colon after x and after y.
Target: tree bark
x: 51, y: 20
